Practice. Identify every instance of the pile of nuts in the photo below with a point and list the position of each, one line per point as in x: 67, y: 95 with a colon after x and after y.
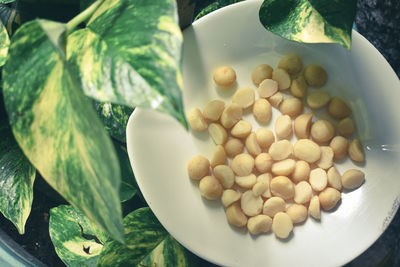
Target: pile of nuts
x: 275, y: 184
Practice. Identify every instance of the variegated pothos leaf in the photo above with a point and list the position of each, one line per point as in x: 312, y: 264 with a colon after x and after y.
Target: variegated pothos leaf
x: 147, y: 244
x: 6, y: 1
x: 217, y: 4
x: 310, y: 21
x: 4, y: 44
x: 17, y: 176
x: 77, y: 241
x: 130, y: 54
x: 57, y: 128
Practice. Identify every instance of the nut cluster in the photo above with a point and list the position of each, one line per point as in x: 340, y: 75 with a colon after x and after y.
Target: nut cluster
x: 264, y: 181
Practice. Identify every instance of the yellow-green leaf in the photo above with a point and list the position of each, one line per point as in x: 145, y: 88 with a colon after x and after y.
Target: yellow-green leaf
x: 4, y: 44
x: 57, y: 127
x: 310, y: 21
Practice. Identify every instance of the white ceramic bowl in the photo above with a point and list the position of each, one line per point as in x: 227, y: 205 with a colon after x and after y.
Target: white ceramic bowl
x: 159, y: 148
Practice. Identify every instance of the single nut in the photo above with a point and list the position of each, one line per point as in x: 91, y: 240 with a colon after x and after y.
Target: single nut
x: 242, y: 164
x: 196, y: 120
x: 284, y: 167
x: 302, y: 192
x: 224, y: 76
x: 252, y: 145
x: 259, y: 224
x: 247, y: 181
x: 217, y: 133
x: 326, y: 159
x: 198, y: 167
x: 282, y: 78
x: 283, y: 127
x: 260, y: 187
x: 322, y: 131
x: 225, y: 175
x: 244, y: 97
x: 274, y: 205
x: 219, y: 156
x: 210, y: 188
x: 329, y: 198
x: 334, y: 178
x: 281, y: 150
x: 260, y: 73
x: 267, y: 88
x: 301, y: 171
x: 241, y: 129
x: 307, y: 150
x: 291, y: 106
x: 291, y: 63
x: 281, y: 186
x: 297, y: 212
x: 318, y: 179
x: 318, y: 99
x: 264, y: 178
x: 262, y: 110
x: 298, y: 88
x: 233, y: 147
x: 338, y: 108
x: 356, y: 151
x: 229, y: 196
x: 314, y: 208
x: 265, y: 138
x: 275, y: 99
x: 302, y: 125
x: 339, y: 145
x: 235, y: 215
x: 352, y: 179
x: 263, y: 162
x: 213, y: 110
x: 282, y: 225
x: 231, y: 115
x: 346, y: 127
x: 251, y: 204
x: 315, y: 75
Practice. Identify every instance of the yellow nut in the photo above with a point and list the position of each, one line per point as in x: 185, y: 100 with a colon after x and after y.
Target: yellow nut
x: 224, y: 76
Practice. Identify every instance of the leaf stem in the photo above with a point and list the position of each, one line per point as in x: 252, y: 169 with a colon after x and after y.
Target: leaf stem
x: 83, y: 16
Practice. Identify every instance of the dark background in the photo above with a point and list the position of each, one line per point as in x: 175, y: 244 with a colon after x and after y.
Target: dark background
x: 377, y: 20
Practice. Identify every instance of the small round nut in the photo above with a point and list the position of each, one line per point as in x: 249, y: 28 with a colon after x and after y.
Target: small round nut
x: 291, y: 106
x: 283, y: 127
x: 265, y: 137
x: 339, y: 145
x: 326, y: 159
x: 265, y: 178
x: 291, y: 63
x: 302, y: 125
x: 322, y: 131
x: 338, y: 109
x: 284, y: 167
x: 260, y: 73
x: 314, y: 208
x: 198, y: 167
x: 274, y: 205
x: 242, y: 164
x: 318, y: 179
x: 218, y: 133
x: 267, y: 88
x: 301, y: 171
x: 282, y: 225
x: 252, y: 145
x: 259, y: 224
x: 315, y: 75
x: 251, y: 204
x: 307, y: 150
x: 329, y: 198
x: 302, y: 192
x: 356, y: 151
x: 247, y: 181
x: 263, y: 162
x: 241, y: 129
x: 225, y: 175
x: 224, y: 76
x: 275, y: 99
x: 244, y: 97
x: 219, y: 156
x: 298, y: 88
x: 213, y: 110
x: 231, y: 115
x: 235, y: 215
x: 281, y: 150
x: 230, y: 196
x: 297, y: 212
x: 233, y: 147
x: 281, y: 186
x: 196, y: 120
x: 262, y: 110
x: 210, y: 188
x: 352, y: 179
x: 346, y: 127
x: 318, y: 99
x: 334, y: 178
x: 282, y: 78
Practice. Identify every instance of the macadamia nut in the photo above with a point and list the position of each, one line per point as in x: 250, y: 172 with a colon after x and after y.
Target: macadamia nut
x: 302, y: 125
x: 196, y: 120
x: 251, y: 204
x: 282, y: 78
x: 230, y: 196
x: 298, y: 88
x: 314, y: 208
x: 265, y: 137
x: 352, y: 179
x: 291, y: 106
x: 281, y: 150
x: 210, y: 188
x: 263, y: 162
x: 302, y: 192
x: 322, y: 131
x: 219, y: 156
x: 315, y: 75
x: 283, y: 127
x: 282, y: 225
x: 244, y: 97
x: 224, y: 76
x: 225, y: 175
x: 213, y: 110
x: 198, y: 167
x: 231, y: 115
x: 339, y: 145
x: 318, y: 179
x: 252, y: 145
x: 241, y: 129
x: 318, y: 99
x: 281, y: 186
x: 235, y: 215
x: 284, y: 167
x: 301, y: 171
x: 242, y: 164
x: 233, y: 147
x: 217, y: 133
x: 338, y: 109
x: 274, y: 205
x: 329, y: 198
x: 356, y: 151
x: 260, y: 73
x: 259, y: 224
x: 262, y: 110
x: 267, y: 88
x: 307, y: 150
x: 291, y: 63
x: 297, y: 212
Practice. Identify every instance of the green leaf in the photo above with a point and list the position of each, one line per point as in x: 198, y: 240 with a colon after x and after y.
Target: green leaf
x: 85, y: 4
x: 310, y: 21
x: 56, y: 126
x: 217, y: 4
x: 115, y: 118
x: 6, y: 1
x: 130, y: 54
x: 17, y: 176
x: 147, y: 243
x: 4, y: 44
x: 129, y: 186
x: 77, y: 241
